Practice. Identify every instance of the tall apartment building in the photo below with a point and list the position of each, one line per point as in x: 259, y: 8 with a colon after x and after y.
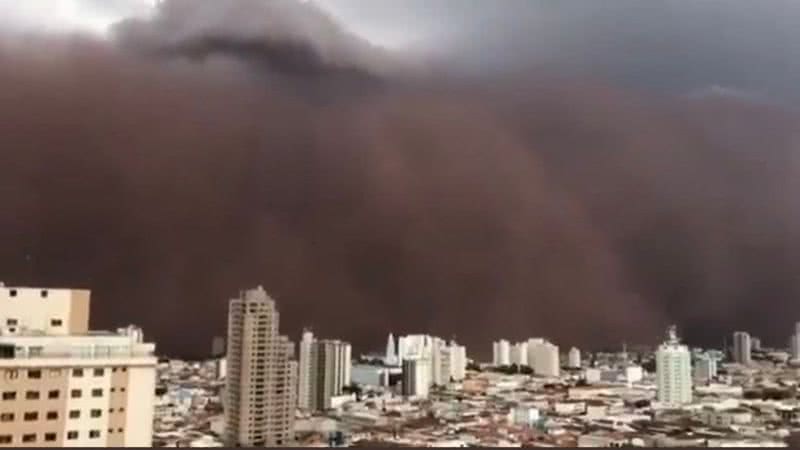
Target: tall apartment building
x: 501, y: 353
x: 391, y: 352
x: 574, y: 358
x: 794, y: 344
x: 62, y: 385
x: 261, y: 384
x: 416, y: 376
x: 742, y: 348
x: 324, y: 368
x: 705, y: 368
x: 674, y: 371
x: 458, y: 361
x: 304, y: 370
x: 519, y: 354
x: 330, y: 372
x: 544, y: 357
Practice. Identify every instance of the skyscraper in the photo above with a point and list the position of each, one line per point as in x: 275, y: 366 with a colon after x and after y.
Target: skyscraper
x: 66, y: 386
x: 416, y: 376
x: 742, y: 348
x: 261, y: 391
x: 674, y: 371
x: 458, y: 361
x: 794, y: 343
x: 304, y: 370
x: 519, y: 354
x: 543, y: 357
x: 574, y: 358
x: 501, y: 353
x: 391, y: 352
x: 705, y: 368
x: 329, y: 372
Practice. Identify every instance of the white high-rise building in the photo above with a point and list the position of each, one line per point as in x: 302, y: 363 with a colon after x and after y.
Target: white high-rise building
x: 330, y: 372
x: 519, y: 354
x: 705, y: 368
x: 501, y: 353
x: 304, y: 370
x: 391, y: 352
x: 794, y: 343
x: 414, y: 345
x: 674, y: 371
x: 742, y: 348
x: 458, y: 361
x: 261, y: 386
x: 543, y: 357
x: 324, y: 372
x: 416, y: 377
x: 63, y: 385
x: 574, y: 358
x: 440, y: 375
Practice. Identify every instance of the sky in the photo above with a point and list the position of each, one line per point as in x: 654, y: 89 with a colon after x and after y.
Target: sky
x: 589, y: 172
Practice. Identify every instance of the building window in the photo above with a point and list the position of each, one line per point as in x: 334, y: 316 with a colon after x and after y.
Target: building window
x: 119, y: 430
x: 114, y: 369
x: 56, y: 322
x: 124, y: 369
x: 77, y: 372
x: 75, y: 393
x: 110, y: 410
x: 75, y: 414
x: 72, y: 435
x: 94, y: 434
x: 5, y: 438
x: 13, y: 293
x: 121, y: 410
x: 10, y: 395
x: 32, y: 395
x: 43, y: 293
x: 49, y: 437
x: 31, y: 416
x: 12, y: 322
x: 52, y: 395
x: 52, y: 415
x: 7, y: 417
x: 97, y: 392
x: 28, y: 438
x: 95, y: 413
x: 98, y: 372
x: 122, y: 389
x: 35, y: 374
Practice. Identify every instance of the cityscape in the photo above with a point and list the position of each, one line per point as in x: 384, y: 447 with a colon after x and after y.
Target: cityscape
x: 66, y: 384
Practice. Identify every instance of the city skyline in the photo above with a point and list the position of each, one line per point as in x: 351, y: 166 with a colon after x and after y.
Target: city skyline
x: 417, y: 187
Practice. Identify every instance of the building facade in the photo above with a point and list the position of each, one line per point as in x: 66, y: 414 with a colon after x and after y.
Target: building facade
x: 416, y: 377
x: 261, y: 386
x: 501, y: 353
x: 304, y: 370
x: 62, y: 385
x: 544, y: 358
x: 742, y: 347
x: 673, y: 371
x: 574, y: 358
x: 519, y: 354
x: 329, y: 372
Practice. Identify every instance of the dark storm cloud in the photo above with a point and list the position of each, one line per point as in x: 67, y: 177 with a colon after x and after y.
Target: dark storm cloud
x: 527, y: 206
x: 287, y: 36
x: 670, y: 45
